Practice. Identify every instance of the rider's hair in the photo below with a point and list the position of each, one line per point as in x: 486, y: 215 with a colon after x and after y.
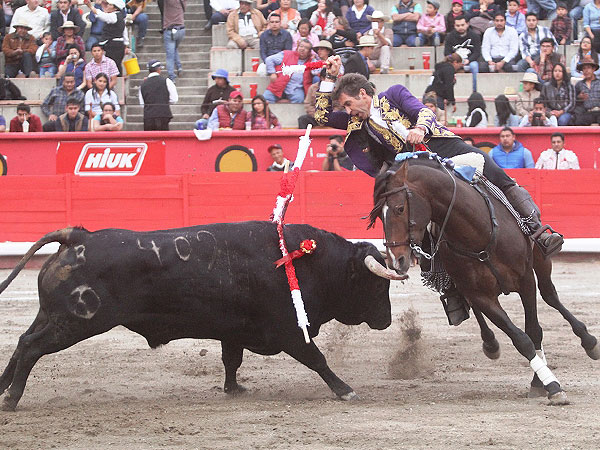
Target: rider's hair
x: 351, y: 84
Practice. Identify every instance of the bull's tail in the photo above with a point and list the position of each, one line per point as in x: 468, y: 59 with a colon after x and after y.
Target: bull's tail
x: 63, y: 236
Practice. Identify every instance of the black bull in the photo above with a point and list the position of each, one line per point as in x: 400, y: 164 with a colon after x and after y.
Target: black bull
x: 207, y: 282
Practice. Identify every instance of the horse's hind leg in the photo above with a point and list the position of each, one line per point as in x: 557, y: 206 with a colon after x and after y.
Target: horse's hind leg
x: 523, y: 343
x: 543, y: 271
x: 491, y: 347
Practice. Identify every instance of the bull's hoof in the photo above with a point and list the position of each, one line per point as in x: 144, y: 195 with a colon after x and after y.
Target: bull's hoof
x: 558, y: 399
x: 491, y: 349
x: 236, y: 390
x: 536, y: 392
x: 594, y: 352
x: 8, y: 405
x: 350, y: 396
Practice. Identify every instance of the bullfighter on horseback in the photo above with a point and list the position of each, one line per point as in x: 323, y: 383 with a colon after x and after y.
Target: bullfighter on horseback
x: 381, y: 125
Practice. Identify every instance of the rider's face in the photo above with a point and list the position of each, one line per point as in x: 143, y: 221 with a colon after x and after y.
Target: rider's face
x: 357, y: 106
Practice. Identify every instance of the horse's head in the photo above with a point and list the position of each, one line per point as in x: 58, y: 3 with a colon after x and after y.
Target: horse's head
x: 403, y: 212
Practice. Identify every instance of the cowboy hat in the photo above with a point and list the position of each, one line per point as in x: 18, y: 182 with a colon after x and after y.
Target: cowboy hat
x: 530, y: 77
x: 324, y: 44
x: 377, y: 15
x: 22, y: 23
x: 587, y: 61
x: 367, y: 41
x: 68, y: 24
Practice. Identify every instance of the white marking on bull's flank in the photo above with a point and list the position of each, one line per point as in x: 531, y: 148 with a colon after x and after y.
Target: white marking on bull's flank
x: 186, y: 250
x: 80, y: 254
x: 79, y: 305
x: 214, y: 254
x: 154, y: 249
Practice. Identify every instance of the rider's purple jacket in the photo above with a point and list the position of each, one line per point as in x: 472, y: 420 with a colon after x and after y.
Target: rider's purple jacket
x: 396, y: 104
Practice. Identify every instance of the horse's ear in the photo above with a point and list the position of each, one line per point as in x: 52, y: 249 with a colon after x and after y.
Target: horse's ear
x: 384, y: 167
x: 403, y: 170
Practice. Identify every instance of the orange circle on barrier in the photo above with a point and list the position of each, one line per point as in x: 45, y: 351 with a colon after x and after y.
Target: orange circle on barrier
x: 236, y: 158
x: 3, y: 167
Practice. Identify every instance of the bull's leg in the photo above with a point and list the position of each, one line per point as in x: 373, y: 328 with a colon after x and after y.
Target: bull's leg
x: 311, y: 357
x: 543, y: 271
x: 231, y: 354
x: 492, y: 309
x: 491, y: 347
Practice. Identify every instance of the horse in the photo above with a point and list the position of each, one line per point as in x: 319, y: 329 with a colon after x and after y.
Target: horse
x: 483, y: 250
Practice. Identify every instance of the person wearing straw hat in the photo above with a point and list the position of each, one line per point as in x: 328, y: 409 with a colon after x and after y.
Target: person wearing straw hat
x: 587, y: 90
x: 68, y: 37
x: 359, y: 62
x: 323, y: 49
x: 65, y: 12
x: 33, y: 15
x: 156, y: 94
x: 382, y: 54
x: 531, y: 87
x: 19, y: 51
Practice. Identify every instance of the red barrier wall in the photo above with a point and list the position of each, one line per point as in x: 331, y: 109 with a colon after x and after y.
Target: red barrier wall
x: 181, y: 153
x: 31, y: 206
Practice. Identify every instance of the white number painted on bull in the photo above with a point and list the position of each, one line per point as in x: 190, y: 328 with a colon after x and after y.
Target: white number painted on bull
x: 114, y: 159
x: 154, y: 248
x: 83, y: 302
x: 79, y: 255
x: 183, y: 248
x: 214, y: 252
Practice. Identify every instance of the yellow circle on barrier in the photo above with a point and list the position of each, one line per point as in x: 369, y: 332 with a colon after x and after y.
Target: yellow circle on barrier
x: 236, y: 159
x: 3, y: 167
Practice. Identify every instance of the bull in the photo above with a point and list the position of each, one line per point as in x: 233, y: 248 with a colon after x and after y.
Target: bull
x: 215, y: 281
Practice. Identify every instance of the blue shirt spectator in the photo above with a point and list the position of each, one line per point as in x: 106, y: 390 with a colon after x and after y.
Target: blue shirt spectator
x: 95, y: 30
x: 510, y: 154
x: 591, y: 17
x: 2, y: 123
x: 357, y: 16
x: 515, y: 18
x: 274, y: 39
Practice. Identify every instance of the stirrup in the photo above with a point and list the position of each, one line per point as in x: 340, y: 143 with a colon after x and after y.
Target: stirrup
x: 455, y: 307
x: 552, y: 243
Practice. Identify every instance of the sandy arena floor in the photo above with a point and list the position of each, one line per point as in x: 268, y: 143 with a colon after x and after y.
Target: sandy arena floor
x: 112, y: 391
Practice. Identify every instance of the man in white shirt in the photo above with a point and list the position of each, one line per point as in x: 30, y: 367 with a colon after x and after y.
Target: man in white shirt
x: 244, y: 26
x: 500, y: 45
x: 537, y: 116
x: 557, y: 158
x: 35, y: 16
x: 221, y: 10
x: 156, y: 94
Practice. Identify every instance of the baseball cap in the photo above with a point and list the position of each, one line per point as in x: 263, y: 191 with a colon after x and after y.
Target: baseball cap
x: 154, y: 64
x: 235, y: 94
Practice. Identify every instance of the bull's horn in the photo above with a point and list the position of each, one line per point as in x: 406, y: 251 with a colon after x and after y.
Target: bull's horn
x: 374, y: 266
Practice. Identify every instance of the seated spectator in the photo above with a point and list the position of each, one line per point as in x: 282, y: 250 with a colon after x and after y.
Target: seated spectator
x: 467, y: 44
x: 476, y: 115
x: 96, y: 28
x: 45, y: 56
x: 430, y: 101
x: 562, y: 27
x: 381, y: 56
x: 324, y: 50
x: 138, y: 17
x: 514, y: 17
x: 55, y: 102
x: 357, y: 17
x: 510, y: 153
x: 100, y: 63
x: 544, y: 63
x: 67, y: 39
x: 107, y: 120
x: 405, y: 16
x: 71, y: 120
x: 100, y: 93
x: 279, y: 160
x: 337, y: 159
x: 215, y: 95
x: 456, y: 10
x: 322, y: 19
x: 500, y: 45
x: 557, y: 157
x: 544, y: 9
x: 530, y: 92
x: 76, y: 64
x: 359, y: 61
x: 344, y: 36
x: 306, y: 8
x: 587, y: 90
x: 585, y: 50
x: 443, y: 81
x: 261, y: 118
x: 245, y: 26
x: 24, y: 121
x: 304, y: 32
x: 19, y: 51
x: 559, y: 95
x: 481, y: 17
x: 290, y: 17
x: 33, y: 15
x: 529, y: 42
x: 591, y: 23
x: 220, y: 11
x: 537, y: 117
x: 229, y: 115
x: 294, y: 87
x: 2, y: 119
x: 576, y: 13
x: 266, y: 7
x: 64, y: 12
x: 273, y: 40
x: 506, y: 115
x: 309, y: 103
x: 431, y: 25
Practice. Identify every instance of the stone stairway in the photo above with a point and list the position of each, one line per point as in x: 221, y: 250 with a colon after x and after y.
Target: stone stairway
x: 194, y: 52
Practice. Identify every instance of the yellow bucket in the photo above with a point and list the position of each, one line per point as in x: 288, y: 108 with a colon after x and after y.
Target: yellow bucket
x: 131, y: 65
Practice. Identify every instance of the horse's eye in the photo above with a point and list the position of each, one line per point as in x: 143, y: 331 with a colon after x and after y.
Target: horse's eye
x: 398, y: 209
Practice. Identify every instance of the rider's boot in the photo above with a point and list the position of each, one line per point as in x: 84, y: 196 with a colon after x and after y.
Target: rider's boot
x: 455, y: 305
x: 548, y: 242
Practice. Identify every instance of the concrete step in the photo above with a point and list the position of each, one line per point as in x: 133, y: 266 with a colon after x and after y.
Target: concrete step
x: 181, y: 90
x: 197, y: 14
x: 183, y: 56
x: 135, y: 126
x: 158, y: 47
x: 184, y: 112
x: 184, y: 99
x: 189, y: 79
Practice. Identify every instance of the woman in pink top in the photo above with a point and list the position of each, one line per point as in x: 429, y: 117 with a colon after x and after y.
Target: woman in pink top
x: 289, y: 16
x: 323, y: 18
x: 261, y: 117
x: 304, y: 32
x: 431, y: 26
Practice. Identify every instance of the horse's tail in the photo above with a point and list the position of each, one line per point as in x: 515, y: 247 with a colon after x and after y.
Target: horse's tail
x: 63, y: 236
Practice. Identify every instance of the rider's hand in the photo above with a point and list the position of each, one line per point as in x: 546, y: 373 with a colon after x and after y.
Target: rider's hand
x: 415, y: 136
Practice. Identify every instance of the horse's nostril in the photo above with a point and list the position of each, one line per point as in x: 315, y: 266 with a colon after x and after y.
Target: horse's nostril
x: 400, y: 261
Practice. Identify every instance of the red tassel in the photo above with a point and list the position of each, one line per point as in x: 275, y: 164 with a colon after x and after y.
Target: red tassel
x: 307, y: 247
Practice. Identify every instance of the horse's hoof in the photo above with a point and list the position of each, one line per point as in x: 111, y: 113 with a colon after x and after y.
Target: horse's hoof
x: 558, y: 399
x: 491, y: 349
x: 536, y: 391
x: 236, y: 390
x: 7, y: 405
x: 350, y: 396
x: 594, y: 353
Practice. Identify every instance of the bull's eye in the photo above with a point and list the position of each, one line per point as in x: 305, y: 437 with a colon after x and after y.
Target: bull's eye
x: 398, y: 209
